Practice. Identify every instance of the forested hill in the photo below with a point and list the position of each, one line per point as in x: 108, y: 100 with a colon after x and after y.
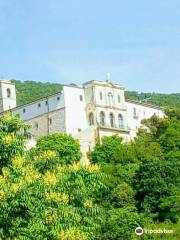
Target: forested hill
x: 159, y: 99
x: 29, y: 91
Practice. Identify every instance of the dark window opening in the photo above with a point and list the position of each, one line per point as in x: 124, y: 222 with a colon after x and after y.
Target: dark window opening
x: 102, y: 118
x: 50, y: 121
x: 36, y: 125
x: 8, y: 92
x: 91, y: 119
x: 111, y: 116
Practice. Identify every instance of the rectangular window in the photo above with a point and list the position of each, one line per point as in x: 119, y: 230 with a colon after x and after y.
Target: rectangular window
x: 36, y: 125
x: 81, y: 98
x: 50, y: 121
x: 24, y: 110
x: 39, y: 105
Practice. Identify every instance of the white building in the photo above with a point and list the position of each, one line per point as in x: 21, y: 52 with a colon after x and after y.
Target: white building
x: 87, y: 112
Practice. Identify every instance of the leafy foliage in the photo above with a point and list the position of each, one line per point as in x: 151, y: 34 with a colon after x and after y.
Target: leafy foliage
x: 56, y: 203
x: 111, y: 150
x: 66, y: 146
x: 13, y: 133
x: 47, y: 193
x: 160, y: 99
x: 147, y: 181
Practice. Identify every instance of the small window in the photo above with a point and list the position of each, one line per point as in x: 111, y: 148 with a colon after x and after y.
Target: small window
x: 24, y: 110
x: 50, y: 121
x: 36, y: 125
x: 100, y: 95
x: 58, y: 98
x: 79, y: 130
x: 91, y: 119
x: 102, y: 118
x: 8, y: 92
x: 134, y: 113
x: 81, y: 98
x: 110, y: 99
x: 119, y: 98
x: 120, y: 121
x: 39, y: 105
x: 111, y: 116
x: 46, y: 102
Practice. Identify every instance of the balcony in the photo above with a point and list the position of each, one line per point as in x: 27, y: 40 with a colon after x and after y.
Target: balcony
x: 115, y: 127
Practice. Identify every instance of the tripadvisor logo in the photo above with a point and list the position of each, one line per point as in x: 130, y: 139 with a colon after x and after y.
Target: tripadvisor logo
x: 138, y: 231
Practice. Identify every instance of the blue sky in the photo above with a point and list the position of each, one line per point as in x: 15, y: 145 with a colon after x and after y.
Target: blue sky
x: 67, y: 41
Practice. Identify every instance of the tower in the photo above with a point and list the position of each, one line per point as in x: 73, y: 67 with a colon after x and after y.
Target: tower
x: 7, y: 95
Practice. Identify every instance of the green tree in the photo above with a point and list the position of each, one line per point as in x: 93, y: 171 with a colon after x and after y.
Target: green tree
x: 121, y: 223
x: 159, y: 153
x: 13, y: 134
x: 58, y: 202
x: 67, y: 148
x: 112, y: 150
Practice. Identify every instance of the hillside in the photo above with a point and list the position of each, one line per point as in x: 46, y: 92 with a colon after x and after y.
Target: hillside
x: 159, y: 99
x: 29, y: 91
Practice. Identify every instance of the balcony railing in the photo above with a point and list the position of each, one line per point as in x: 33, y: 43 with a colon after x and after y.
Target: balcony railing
x: 115, y: 126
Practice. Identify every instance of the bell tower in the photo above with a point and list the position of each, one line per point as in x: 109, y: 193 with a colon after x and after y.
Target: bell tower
x: 7, y: 95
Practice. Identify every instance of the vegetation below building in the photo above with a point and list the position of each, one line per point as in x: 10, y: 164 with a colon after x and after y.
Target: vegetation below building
x: 46, y: 193
x: 29, y: 91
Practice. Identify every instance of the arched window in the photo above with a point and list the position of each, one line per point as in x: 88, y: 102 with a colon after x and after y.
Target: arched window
x: 110, y: 99
x: 120, y: 121
x: 100, y: 95
x: 102, y: 118
x: 111, y: 118
x: 91, y: 119
x: 8, y: 92
x: 119, y: 98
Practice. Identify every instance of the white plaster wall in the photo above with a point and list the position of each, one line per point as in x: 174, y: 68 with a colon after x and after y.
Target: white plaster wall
x: 75, y: 114
x: 7, y: 102
x: 105, y: 100
x: 89, y: 94
x: 143, y: 112
x: 33, y: 110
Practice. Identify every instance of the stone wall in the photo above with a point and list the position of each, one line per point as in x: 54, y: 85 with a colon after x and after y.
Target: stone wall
x: 47, y: 123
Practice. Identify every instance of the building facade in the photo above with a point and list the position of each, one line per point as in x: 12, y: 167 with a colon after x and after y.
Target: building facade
x: 87, y: 112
